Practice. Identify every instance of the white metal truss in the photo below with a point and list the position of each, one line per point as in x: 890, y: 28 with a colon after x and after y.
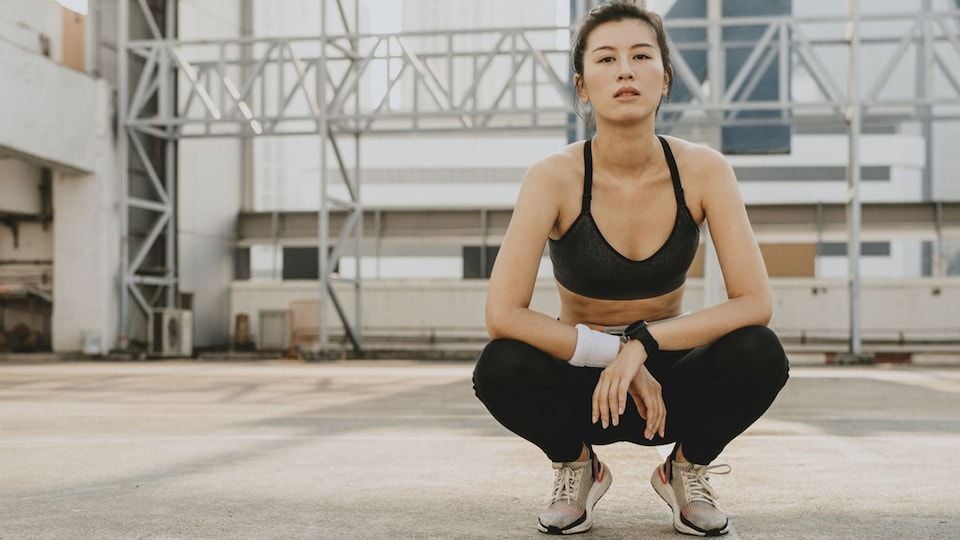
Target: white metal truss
x: 350, y: 83
x: 518, y: 78
x: 148, y: 208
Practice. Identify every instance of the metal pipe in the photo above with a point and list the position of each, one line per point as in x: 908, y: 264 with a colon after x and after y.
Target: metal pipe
x: 323, y: 273
x: 853, y: 175
x: 715, y: 69
x: 123, y: 153
x: 483, y: 243
x: 358, y: 230
x: 170, y: 158
x: 925, y: 68
x: 378, y: 237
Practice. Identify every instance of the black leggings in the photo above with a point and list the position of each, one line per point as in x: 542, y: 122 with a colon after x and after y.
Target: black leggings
x: 711, y: 393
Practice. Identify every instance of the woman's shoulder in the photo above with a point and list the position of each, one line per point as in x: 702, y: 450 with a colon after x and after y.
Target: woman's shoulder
x: 694, y: 155
x: 698, y: 164
x: 702, y: 170
x: 559, y: 169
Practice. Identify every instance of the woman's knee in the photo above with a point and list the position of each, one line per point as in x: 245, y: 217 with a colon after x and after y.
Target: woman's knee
x: 502, y: 363
x: 758, y: 351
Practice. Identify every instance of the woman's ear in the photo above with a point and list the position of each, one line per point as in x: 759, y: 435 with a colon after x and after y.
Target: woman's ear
x: 667, y: 78
x: 578, y: 84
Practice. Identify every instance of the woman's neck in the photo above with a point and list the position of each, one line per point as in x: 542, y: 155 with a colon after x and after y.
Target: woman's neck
x: 625, y: 151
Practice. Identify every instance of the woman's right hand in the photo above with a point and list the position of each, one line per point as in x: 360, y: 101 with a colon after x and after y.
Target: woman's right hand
x: 646, y: 393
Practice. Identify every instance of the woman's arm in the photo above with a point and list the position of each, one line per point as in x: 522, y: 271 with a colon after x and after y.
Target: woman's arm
x: 508, y: 313
x: 750, y: 301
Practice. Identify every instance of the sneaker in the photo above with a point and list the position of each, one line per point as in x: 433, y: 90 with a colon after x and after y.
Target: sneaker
x: 686, y: 489
x: 576, y: 489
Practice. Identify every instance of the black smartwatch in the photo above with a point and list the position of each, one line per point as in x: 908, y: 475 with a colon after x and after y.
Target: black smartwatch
x: 641, y: 333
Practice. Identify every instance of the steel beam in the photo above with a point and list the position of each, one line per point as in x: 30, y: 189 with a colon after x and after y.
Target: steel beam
x: 853, y: 174
x: 787, y: 222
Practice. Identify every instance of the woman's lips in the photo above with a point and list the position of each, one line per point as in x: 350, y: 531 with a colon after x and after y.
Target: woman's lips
x: 626, y: 96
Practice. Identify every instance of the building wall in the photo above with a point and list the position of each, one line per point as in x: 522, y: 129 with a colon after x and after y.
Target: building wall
x: 454, y: 308
x: 20, y: 186
x: 60, y: 118
x: 41, y: 121
x: 34, y: 243
x: 86, y: 240
x: 901, y: 83
x: 287, y: 174
x: 24, y: 22
x: 208, y: 193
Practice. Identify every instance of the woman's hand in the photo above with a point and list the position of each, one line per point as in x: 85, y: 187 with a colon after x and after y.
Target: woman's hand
x: 610, y: 394
x: 646, y: 393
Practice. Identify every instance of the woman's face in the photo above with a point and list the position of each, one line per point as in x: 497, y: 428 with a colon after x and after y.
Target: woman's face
x: 618, y: 55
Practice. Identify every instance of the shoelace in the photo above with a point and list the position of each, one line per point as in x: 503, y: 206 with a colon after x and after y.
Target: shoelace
x: 566, y: 486
x: 696, y: 484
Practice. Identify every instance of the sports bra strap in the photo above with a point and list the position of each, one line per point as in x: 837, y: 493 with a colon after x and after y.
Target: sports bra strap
x: 587, y: 177
x: 674, y: 173
x: 588, y: 174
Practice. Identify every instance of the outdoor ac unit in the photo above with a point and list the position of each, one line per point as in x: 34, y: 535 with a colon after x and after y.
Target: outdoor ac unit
x: 170, y: 332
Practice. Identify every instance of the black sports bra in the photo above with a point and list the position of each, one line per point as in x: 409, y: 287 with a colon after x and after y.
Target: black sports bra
x: 585, y: 263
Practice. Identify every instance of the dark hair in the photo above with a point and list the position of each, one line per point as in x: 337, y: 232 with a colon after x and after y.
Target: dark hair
x: 615, y: 11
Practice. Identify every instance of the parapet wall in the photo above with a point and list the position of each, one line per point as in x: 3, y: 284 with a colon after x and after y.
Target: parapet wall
x: 919, y: 310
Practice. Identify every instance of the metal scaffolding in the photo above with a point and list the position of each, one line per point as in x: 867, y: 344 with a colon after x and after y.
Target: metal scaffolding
x: 346, y: 83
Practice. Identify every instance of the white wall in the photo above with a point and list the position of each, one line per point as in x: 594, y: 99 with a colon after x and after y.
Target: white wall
x: 19, y: 186
x: 902, y: 153
x: 23, y: 21
x: 86, y: 239
x: 288, y: 170
x: 34, y: 243
x: 46, y: 110
x: 60, y: 118
x: 904, y: 261
x: 209, y: 201
x: 208, y: 194
x: 404, y: 307
x: 928, y: 308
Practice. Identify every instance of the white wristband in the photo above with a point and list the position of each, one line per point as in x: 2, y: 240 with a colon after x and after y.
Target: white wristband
x: 594, y: 349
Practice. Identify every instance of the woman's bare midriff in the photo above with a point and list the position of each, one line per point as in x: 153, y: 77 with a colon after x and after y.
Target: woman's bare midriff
x: 596, y: 313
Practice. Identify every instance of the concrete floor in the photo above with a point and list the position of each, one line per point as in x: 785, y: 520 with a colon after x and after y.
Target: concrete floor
x: 403, y: 449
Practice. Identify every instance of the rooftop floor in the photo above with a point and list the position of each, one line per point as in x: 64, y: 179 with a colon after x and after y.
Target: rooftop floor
x: 403, y: 448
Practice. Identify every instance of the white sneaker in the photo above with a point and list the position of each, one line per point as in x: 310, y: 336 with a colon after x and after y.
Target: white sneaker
x: 576, y: 489
x: 685, y: 487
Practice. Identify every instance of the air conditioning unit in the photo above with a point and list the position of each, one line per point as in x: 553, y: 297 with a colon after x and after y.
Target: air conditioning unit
x: 170, y: 332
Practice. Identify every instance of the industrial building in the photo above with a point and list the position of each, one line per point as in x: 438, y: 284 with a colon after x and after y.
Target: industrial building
x: 167, y: 166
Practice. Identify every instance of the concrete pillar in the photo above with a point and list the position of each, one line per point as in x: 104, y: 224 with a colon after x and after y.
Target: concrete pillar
x: 86, y: 243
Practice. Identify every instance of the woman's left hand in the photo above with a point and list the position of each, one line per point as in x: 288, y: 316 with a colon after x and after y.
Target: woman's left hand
x: 610, y: 394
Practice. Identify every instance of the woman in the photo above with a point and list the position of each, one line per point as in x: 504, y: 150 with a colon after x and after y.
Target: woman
x: 623, y: 231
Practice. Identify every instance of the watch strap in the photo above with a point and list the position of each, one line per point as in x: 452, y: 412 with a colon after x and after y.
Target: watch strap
x: 641, y: 333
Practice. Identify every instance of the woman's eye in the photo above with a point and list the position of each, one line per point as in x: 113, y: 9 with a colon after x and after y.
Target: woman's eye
x: 641, y: 56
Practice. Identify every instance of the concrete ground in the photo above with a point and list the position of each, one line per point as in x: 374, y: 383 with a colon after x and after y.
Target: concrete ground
x: 403, y: 449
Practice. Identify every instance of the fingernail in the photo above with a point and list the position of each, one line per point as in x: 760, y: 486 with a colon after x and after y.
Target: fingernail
x: 616, y: 421
x: 621, y: 410
x: 604, y: 424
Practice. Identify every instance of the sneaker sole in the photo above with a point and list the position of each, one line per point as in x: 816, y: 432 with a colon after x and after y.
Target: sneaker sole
x: 593, y: 497
x: 666, y: 493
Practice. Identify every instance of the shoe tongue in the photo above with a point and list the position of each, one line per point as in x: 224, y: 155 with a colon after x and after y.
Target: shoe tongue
x: 572, y: 464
